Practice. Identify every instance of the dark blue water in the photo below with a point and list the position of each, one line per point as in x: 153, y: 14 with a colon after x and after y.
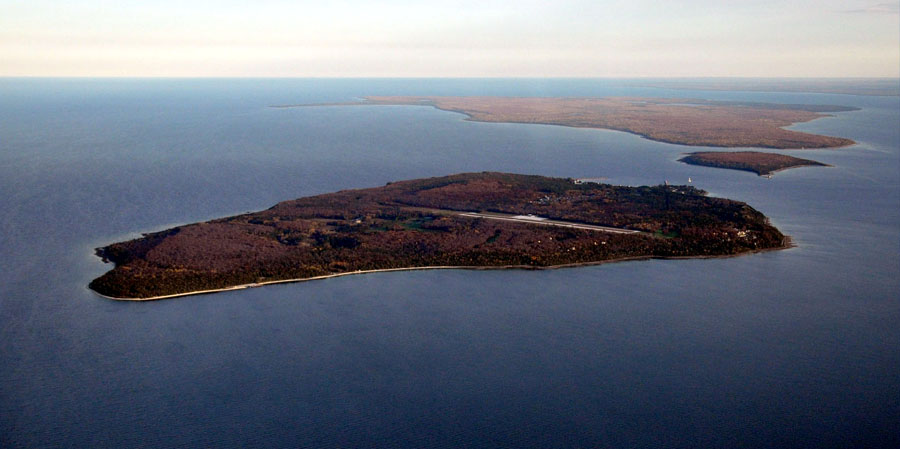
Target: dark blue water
x: 784, y: 349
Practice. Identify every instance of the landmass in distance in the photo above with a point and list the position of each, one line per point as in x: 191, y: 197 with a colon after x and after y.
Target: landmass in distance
x: 473, y: 220
x: 847, y: 86
x: 672, y: 120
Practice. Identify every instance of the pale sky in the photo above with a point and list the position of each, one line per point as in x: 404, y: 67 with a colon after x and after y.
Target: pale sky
x: 482, y: 38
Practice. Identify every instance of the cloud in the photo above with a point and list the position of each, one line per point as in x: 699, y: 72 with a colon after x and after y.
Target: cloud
x: 881, y: 8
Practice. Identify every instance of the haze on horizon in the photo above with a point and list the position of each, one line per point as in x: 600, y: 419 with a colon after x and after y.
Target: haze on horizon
x: 485, y: 38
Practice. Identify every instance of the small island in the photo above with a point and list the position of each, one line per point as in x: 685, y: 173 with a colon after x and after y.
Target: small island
x: 763, y: 164
x: 672, y: 120
x: 471, y: 220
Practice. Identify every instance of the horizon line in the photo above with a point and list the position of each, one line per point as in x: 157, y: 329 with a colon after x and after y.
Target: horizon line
x: 732, y: 77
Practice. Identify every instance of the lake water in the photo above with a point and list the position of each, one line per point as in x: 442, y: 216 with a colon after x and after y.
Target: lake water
x: 783, y: 349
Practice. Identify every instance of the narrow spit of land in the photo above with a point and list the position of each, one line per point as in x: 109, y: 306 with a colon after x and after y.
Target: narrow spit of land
x: 671, y: 120
x: 763, y: 164
x: 472, y: 220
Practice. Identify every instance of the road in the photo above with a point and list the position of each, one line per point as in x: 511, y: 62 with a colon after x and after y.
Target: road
x: 547, y: 222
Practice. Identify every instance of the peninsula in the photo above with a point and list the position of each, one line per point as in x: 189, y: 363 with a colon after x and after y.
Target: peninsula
x: 472, y: 220
x: 763, y: 164
x: 671, y: 120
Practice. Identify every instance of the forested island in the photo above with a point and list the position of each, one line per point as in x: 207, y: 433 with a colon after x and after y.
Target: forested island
x: 472, y: 220
x: 763, y: 164
x: 671, y: 120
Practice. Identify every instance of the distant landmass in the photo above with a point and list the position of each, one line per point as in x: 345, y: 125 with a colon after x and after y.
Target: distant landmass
x: 473, y: 220
x: 763, y: 164
x: 679, y: 121
x: 848, y: 86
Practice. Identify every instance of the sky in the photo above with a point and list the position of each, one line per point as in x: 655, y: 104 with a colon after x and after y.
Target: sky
x: 483, y: 38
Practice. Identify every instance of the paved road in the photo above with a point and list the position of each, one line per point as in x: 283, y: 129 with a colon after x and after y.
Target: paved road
x: 547, y: 222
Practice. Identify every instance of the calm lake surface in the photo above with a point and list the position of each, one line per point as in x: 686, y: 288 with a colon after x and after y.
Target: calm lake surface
x: 793, y: 348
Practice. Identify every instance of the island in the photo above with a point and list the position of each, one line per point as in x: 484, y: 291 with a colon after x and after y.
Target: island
x: 763, y: 164
x: 672, y: 120
x: 471, y: 220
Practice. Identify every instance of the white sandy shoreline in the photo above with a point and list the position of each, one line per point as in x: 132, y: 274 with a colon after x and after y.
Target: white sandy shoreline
x: 285, y: 281
x: 788, y: 244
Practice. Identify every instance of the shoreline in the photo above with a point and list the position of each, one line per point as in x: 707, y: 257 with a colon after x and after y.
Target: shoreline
x: 787, y: 244
x: 766, y: 174
x: 820, y: 164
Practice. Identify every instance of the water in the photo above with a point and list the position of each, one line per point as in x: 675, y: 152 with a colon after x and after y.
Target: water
x: 783, y: 349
